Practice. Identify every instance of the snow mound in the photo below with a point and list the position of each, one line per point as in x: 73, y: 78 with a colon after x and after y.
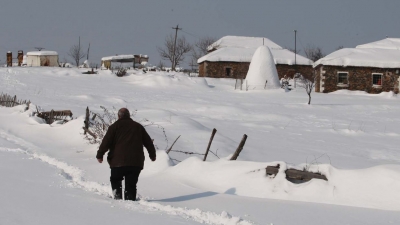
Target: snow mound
x: 384, y: 94
x: 262, y: 69
x: 168, y: 80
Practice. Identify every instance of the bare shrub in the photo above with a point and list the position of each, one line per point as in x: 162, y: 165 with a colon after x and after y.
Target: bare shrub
x: 308, y: 83
x: 100, y: 122
x: 120, y: 72
x: 76, y: 52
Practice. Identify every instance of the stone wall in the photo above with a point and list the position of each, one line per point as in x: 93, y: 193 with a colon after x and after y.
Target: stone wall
x: 240, y: 69
x: 217, y: 69
x: 359, y: 78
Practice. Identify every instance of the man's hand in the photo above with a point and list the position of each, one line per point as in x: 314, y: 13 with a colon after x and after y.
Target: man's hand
x: 100, y: 160
x: 153, y: 159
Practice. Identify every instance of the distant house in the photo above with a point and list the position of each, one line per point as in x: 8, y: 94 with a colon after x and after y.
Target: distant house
x: 230, y: 57
x: 372, y: 67
x: 42, y: 58
x: 106, y: 62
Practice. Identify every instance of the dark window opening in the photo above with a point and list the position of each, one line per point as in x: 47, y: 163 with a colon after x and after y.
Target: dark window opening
x: 342, y: 78
x: 228, y: 72
x: 377, y: 79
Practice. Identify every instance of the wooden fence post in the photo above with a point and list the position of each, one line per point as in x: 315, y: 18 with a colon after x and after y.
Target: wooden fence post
x: 209, y: 143
x: 14, y: 101
x: 239, y: 148
x: 170, y: 148
x: 51, y: 117
x: 86, y: 120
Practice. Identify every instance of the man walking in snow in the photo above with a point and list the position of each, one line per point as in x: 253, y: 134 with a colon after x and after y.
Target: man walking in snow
x: 125, y: 139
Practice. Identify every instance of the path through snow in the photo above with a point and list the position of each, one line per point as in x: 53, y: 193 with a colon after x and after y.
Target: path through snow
x: 77, y: 179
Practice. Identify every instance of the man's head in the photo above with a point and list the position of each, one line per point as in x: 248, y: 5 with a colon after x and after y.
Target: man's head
x: 123, y: 113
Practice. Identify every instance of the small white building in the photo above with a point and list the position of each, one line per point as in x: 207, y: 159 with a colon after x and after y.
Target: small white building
x: 42, y: 58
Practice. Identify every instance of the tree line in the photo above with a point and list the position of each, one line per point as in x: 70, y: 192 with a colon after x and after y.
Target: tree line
x: 182, y: 48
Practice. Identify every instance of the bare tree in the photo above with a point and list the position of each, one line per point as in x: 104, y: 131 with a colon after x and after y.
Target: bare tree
x: 167, y: 52
x: 340, y: 47
x: 201, y: 47
x: 292, y: 50
x: 76, y: 52
x: 314, y: 53
x: 307, y: 83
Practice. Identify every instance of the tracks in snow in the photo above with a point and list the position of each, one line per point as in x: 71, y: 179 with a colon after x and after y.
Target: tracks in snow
x: 76, y: 177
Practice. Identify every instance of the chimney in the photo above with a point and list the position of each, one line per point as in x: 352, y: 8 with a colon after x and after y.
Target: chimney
x: 20, y: 57
x: 9, y: 59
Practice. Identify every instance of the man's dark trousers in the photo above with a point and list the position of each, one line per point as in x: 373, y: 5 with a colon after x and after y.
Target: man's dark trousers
x: 131, y: 175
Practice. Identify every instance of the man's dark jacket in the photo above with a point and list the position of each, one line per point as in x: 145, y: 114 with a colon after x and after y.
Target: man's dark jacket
x: 125, y: 139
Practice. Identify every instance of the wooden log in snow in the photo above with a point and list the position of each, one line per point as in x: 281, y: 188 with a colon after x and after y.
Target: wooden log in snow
x: 297, y: 175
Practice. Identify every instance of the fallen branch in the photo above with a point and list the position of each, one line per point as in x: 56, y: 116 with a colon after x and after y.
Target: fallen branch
x: 187, y: 153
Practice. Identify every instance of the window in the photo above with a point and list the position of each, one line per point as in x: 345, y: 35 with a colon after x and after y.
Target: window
x: 228, y: 71
x: 377, y: 79
x: 343, y: 77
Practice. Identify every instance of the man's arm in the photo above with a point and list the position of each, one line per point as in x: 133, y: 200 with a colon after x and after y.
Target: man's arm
x: 105, y: 143
x: 148, y: 143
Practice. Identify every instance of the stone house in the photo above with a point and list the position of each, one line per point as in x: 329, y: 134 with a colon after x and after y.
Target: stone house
x: 230, y: 57
x: 106, y: 62
x: 372, y: 67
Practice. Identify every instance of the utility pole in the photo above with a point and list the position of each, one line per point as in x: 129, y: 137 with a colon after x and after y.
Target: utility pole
x: 87, y: 55
x: 295, y: 54
x: 295, y: 46
x: 173, y: 56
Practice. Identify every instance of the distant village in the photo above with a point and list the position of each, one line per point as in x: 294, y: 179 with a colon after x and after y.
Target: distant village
x: 371, y: 67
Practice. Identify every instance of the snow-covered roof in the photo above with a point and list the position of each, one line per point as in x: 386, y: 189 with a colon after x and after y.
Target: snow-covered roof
x: 124, y: 58
x: 238, y: 54
x: 118, y: 57
x: 362, y: 57
x: 387, y: 43
x: 42, y: 53
x: 243, y: 42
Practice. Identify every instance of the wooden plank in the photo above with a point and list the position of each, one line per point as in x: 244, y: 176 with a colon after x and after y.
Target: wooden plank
x: 271, y: 170
x: 56, y: 113
x: 89, y: 132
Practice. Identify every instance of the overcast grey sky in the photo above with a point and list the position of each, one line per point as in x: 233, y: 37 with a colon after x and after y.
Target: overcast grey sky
x: 137, y: 27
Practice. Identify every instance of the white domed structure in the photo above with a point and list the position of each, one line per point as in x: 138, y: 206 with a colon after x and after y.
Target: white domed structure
x: 262, y: 72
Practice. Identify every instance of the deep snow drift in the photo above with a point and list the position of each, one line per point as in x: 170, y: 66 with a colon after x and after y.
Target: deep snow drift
x: 351, y: 137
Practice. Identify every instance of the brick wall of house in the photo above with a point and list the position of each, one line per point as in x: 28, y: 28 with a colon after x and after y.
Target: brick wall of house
x: 359, y: 78
x: 201, y: 69
x: 240, y: 69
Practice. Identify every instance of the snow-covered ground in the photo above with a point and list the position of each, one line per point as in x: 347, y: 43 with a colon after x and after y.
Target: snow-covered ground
x: 351, y: 137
